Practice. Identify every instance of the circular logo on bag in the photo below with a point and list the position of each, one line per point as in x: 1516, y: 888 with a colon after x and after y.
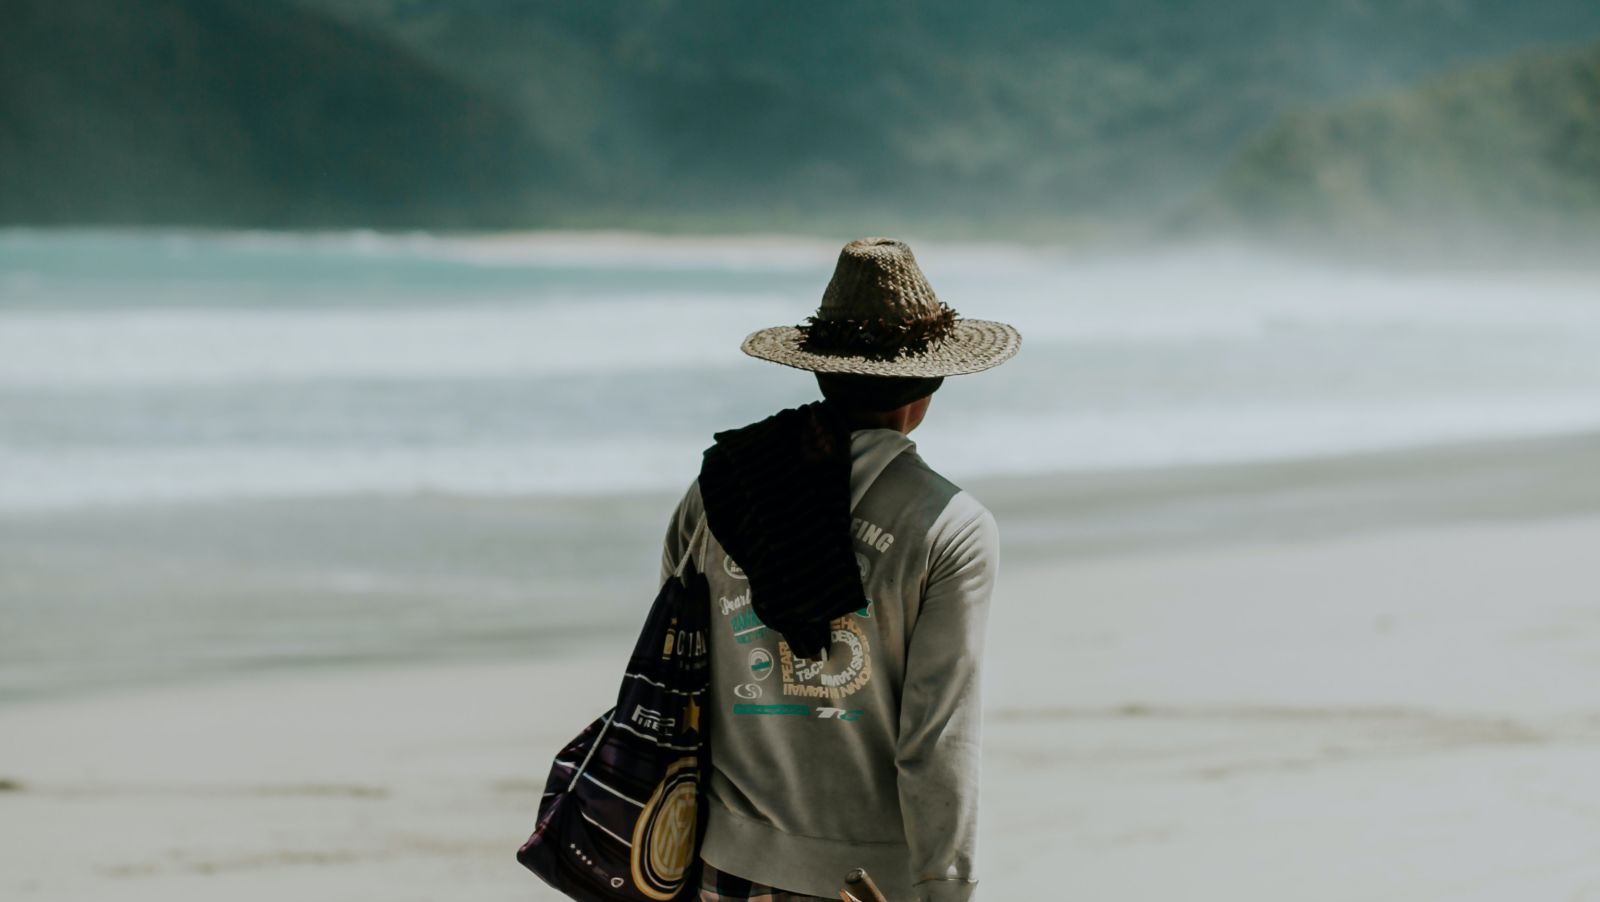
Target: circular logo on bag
x: 663, y: 837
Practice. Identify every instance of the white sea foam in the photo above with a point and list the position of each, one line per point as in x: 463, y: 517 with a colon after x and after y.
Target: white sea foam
x: 138, y: 367
x: 206, y: 347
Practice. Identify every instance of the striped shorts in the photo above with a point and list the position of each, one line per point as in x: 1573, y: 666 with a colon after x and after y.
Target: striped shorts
x: 717, y: 885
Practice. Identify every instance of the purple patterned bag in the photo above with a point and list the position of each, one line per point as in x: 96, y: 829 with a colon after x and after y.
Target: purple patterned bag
x: 621, y: 819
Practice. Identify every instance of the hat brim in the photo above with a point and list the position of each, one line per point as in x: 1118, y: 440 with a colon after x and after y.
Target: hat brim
x: 972, y: 346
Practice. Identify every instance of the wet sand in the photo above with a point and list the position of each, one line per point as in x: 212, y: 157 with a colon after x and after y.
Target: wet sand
x: 1370, y: 678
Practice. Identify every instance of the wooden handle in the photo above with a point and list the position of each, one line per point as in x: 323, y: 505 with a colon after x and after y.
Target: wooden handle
x: 862, y: 886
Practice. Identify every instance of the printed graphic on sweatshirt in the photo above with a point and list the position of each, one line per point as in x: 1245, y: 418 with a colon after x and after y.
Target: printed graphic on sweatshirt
x: 836, y: 673
x: 838, y: 714
x: 728, y: 605
x: 871, y: 533
x: 864, y: 564
x: 822, y: 713
x: 760, y: 663
x: 746, y: 626
x: 732, y: 569
x: 772, y: 710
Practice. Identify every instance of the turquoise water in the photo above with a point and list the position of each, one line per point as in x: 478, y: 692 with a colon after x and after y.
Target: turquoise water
x: 171, y: 366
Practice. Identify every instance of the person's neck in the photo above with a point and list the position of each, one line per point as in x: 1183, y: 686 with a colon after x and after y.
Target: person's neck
x: 898, y: 420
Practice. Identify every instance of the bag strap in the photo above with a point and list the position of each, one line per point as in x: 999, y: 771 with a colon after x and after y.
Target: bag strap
x: 599, y: 738
x: 698, y: 536
x: 700, y: 531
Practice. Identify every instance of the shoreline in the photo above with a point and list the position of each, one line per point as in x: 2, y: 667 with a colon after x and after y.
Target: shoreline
x: 1130, y: 511
x: 1021, y: 493
x: 802, y: 241
x: 213, y: 590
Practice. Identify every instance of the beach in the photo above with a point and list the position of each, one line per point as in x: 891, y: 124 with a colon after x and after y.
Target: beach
x: 357, y: 356
x: 314, y: 549
x: 1358, y: 677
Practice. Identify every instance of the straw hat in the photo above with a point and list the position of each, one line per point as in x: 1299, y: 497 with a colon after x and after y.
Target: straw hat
x: 879, y: 317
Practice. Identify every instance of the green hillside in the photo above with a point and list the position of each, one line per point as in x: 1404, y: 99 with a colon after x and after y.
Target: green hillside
x: 1513, y: 148
x: 947, y: 116
x: 1111, y: 111
x: 243, y: 112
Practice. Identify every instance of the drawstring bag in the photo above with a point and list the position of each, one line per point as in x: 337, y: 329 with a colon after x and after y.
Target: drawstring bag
x: 621, y: 818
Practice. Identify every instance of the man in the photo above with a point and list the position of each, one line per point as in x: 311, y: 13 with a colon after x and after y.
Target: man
x: 850, y: 586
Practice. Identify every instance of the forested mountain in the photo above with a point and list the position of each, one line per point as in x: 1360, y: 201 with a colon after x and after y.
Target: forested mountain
x: 1099, y: 110
x: 691, y: 113
x: 1513, y: 147
x: 243, y: 112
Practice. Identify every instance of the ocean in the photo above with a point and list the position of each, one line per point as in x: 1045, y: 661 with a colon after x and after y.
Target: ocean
x: 237, y: 452
x: 185, y: 366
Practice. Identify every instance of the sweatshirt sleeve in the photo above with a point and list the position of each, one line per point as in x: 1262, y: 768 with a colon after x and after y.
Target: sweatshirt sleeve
x: 940, y: 716
x: 680, y: 529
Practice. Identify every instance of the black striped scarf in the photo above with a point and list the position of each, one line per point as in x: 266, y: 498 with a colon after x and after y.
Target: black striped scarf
x: 777, y: 498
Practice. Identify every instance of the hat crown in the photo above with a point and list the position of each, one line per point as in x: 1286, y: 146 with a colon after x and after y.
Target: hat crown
x: 880, y: 317
x: 878, y: 278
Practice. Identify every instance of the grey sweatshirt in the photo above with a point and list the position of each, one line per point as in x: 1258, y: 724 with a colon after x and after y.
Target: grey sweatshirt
x: 867, y: 757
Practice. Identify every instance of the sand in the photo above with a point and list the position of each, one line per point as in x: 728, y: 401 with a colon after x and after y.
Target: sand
x: 1396, y: 701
